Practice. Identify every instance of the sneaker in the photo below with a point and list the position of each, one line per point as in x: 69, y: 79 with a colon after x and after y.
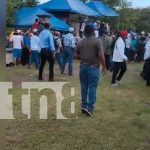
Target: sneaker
x: 88, y: 113
x: 83, y: 110
x: 118, y: 82
x: 114, y: 84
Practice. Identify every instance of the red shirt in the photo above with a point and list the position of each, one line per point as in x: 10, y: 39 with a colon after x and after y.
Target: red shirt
x: 35, y: 25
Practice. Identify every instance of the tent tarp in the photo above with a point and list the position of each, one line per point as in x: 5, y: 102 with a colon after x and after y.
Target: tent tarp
x: 26, y: 16
x: 102, y: 9
x: 71, y: 6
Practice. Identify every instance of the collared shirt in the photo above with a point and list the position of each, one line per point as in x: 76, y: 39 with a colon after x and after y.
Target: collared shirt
x: 35, y: 43
x: 47, y: 40
x: 119, y: 50
x: 69, y: 40
x: 147, y: 52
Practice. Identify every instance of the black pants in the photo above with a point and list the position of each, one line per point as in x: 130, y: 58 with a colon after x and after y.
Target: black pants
x: 107, y: 60
x: 147, y: 72
x: 46, y: 55
x: 25, y: 56
x: 119, y: 68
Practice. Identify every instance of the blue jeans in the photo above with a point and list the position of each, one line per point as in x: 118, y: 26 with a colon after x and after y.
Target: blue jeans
x: 89, y: 78
x: 34, y: 59
x: 59, y: 59
x: 68, y: 57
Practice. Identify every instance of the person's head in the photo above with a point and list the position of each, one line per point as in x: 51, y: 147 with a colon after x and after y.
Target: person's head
x: 57, y: 34
x: 35, y: 31
x: 89, y: 31
x: 47, y: 26
x: 36, y: 20
x: 26, y: 32
x: 123, y: 34
x: 71, y: 29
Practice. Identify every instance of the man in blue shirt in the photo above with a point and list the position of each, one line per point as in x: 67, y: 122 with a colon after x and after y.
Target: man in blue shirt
x: 47, y: 51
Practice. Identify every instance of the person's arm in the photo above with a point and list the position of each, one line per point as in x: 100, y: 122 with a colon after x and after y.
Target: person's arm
x: 51, y: 41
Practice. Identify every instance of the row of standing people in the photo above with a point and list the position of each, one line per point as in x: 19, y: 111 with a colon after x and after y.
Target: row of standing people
x: 91, y: 51
x: 33, y: 48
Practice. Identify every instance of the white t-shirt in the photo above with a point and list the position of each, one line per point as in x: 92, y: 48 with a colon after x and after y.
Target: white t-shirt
x: 17, y: 41
x: 35, y: 43
x: 96, y: 33
x: 119, y: 50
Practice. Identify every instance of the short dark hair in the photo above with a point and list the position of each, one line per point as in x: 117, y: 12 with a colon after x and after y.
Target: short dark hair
x: 36, y: 20
x: 46, y: 25
x: 89, y: 30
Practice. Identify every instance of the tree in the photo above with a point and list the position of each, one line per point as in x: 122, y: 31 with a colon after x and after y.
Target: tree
x: 13, y: 5
x: 143, y: 22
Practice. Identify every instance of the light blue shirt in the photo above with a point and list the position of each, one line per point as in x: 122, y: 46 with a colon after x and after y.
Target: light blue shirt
x: 69, y: 40
x: 147, y: 50
x: 46, y: 40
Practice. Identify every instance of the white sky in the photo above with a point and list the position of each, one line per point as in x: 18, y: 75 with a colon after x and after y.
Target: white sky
x: 135, y: 3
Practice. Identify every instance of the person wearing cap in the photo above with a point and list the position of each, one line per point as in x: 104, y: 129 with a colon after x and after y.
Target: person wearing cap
x: 69, y: 46
x: 59, y: 49
x: 17, y: 41
x: 119, y: 59
x: 147, y: 62
x: 35, y: 49
x: 90, y: 52
x: 47, y: 51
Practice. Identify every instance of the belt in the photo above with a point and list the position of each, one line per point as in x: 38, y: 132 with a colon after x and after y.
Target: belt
x: 92, y: 66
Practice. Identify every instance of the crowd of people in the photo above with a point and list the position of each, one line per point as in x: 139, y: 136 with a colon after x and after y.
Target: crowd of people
x: 97, y: 43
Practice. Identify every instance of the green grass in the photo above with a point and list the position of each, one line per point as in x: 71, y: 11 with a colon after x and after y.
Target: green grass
x: 121, y: 120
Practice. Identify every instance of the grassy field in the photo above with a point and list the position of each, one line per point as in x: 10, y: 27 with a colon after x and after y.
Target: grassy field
x: 121, y: 120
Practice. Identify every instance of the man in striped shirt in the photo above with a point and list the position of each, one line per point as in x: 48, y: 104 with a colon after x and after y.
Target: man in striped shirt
x: 69, y: 46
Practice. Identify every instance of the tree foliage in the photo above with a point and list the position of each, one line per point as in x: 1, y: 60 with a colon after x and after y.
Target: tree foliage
x: 13, y: 5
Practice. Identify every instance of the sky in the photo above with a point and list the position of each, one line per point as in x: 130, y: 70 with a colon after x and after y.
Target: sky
x: 135, y: 3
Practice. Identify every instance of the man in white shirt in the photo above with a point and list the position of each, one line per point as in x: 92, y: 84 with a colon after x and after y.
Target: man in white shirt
x: 17, y: 41
x: 119, y: 59
x: 35, y: 49
x: 147, y: 62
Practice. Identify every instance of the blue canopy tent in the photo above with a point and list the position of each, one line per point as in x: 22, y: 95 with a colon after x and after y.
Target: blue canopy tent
x: 70, y: 6
x: 26, y: 16
x: 102, y: 9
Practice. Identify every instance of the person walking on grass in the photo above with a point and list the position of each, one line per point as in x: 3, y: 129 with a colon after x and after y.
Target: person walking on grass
x: 47, y: 51
x: 119, y: 59
x: 107, y: 41
x: 59, y: 49
x: 69, y: 46
x: 35, y: 49
x: 91, y: 54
